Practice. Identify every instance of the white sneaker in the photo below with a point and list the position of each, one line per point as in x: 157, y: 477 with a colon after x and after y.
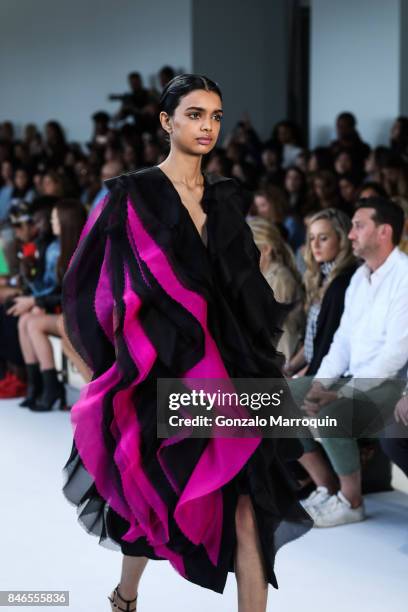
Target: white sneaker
x: 316, y: 497
x: 337, y: 510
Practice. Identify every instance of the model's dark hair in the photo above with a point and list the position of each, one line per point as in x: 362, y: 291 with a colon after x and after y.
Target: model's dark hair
x: 182, y: 85
x: 385, y: 211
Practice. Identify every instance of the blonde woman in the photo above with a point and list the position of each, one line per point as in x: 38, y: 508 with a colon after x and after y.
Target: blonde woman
x: 330, y: 265
x: 278, y: 266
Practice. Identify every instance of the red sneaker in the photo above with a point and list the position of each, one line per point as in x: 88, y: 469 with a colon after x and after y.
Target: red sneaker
x: 13, y: 388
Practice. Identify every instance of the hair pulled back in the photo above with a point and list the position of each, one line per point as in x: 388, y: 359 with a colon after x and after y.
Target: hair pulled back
x: 182, y: 85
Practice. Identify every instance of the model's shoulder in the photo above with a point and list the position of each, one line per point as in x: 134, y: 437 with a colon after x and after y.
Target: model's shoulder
x: 229, y: 190
x: 152, y: 173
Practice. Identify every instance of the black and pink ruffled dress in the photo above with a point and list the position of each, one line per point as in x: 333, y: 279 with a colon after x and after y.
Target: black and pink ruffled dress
x: 145, y: 298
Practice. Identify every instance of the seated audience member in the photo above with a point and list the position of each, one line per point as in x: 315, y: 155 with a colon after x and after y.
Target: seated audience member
x: 278, y: 266
x: 302, y: 161
x: 287, y: 138
x: 109, y: 170
x: 320, y: 159
x: 23, y: 189
x: 325, y: 193
x: 52, y: 184
x: 270, y: 204
x: 39, y: 315
x: 272, y: 173
x: 399, y: 137
x: 348, y: 186
x: 403, y: 202
x: 330, y: 265
x: 374, y: 163
x: 55, y: 147
x: 394, y: 176
x: 343, y: 163
x: 36, y: 278
x: 295, y: 188
x: 348, y: 139
x: 6, y: 188
x: 100, y: 136
x: 25, y: 233
x: 371, y: 189
x: 397, y: 448
x: 218, y: 163
x: 11, y: 360
x: 369, y: 348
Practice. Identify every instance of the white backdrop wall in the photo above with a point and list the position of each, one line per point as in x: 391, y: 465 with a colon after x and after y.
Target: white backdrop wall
x: 355, y: 66
x: 59, y: 60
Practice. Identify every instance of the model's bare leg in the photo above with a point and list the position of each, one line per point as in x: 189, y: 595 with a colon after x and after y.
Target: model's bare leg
x: 132, y: 570
x: 320, y: 470
x: 248, y: 561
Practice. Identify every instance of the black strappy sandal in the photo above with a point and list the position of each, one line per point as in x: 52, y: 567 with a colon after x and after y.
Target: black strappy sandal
x: 113, y: 598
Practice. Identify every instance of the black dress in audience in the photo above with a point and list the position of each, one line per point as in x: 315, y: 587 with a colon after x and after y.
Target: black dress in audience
x: 329, y: 318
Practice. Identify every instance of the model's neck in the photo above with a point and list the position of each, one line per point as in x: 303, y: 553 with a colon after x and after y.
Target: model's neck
x: 183, y: 168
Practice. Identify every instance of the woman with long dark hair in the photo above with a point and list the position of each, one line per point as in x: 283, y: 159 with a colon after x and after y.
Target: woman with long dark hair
x: 44, y: 389
x: 165, y: 283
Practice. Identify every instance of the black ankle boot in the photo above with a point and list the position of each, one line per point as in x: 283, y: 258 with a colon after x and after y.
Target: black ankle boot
x: 35, y: 385
x: 53, y: 391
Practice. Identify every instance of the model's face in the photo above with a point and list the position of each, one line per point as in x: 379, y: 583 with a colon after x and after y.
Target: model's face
x: 364, y: 234
x: 195, y: 124
x: 324, y: 241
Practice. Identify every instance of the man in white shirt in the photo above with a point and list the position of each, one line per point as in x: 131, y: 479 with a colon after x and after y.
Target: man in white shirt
x: 370, y: 346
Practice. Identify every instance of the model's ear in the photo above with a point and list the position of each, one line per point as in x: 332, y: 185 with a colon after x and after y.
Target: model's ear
x: 165, y: 121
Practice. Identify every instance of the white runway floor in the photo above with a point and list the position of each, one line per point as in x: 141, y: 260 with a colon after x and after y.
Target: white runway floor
x: 357, y: 568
